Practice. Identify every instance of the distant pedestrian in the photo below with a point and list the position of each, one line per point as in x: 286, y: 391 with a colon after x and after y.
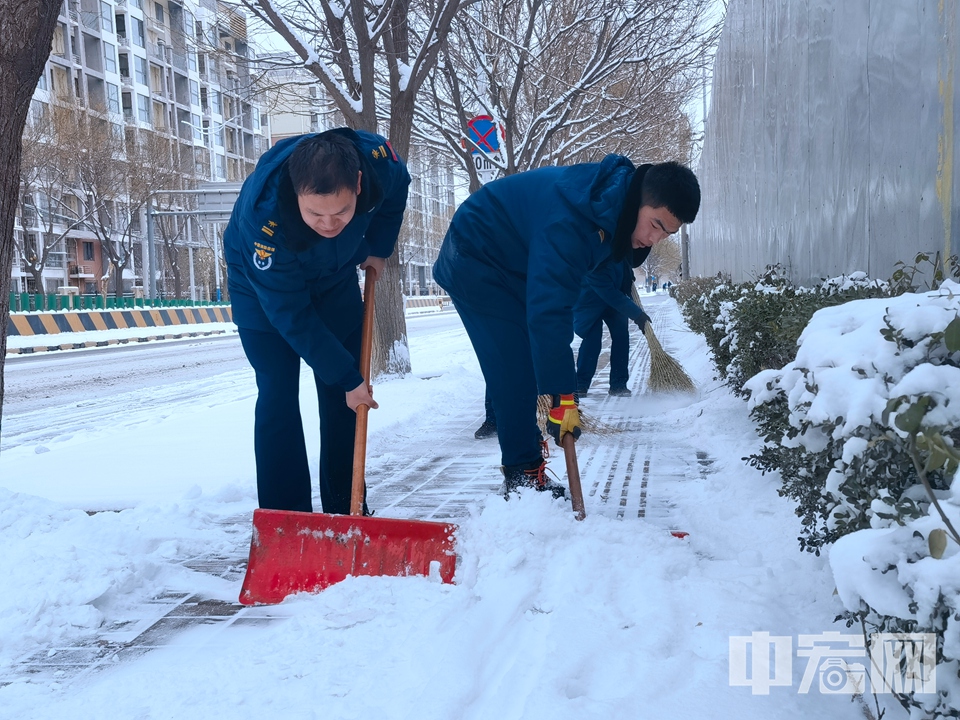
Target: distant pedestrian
x: 605, y: 300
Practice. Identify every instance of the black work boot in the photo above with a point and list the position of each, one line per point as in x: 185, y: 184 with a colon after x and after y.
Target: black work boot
x: 620, y: 391
x: 488, y: 429
x: 532, y: 474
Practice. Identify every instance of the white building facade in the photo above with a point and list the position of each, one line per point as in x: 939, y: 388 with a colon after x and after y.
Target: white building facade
x: 179, y: 71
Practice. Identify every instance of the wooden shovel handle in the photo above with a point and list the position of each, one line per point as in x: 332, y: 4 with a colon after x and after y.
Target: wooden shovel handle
x: 360, y: 438
x: 573, y: 475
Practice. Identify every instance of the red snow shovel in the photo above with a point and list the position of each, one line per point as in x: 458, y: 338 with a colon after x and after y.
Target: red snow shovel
x: 293, y: 552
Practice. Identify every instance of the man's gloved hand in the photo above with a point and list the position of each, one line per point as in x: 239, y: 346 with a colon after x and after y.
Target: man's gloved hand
x: 564, y: 418
x: 642, y: 321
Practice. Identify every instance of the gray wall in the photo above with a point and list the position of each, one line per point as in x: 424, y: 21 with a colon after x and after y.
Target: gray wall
x: 832, y: 142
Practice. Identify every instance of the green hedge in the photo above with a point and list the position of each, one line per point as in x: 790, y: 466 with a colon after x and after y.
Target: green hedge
x: 26, y: 302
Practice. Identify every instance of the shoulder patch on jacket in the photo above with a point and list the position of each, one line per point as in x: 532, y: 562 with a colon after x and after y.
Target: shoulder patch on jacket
x: 379, y: 152
x: 268, y: 228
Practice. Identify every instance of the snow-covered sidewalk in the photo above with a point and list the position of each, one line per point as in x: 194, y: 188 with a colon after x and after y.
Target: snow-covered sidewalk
x: 614, y: 617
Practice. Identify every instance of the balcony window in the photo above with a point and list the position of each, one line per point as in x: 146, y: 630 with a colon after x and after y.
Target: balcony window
x: 140, y: 65
x: 113, y: 98
x: 139, y: 39
x: 109, y: 57
x: 143, y: 108
x: 88, y: 250
x: 106, y: 17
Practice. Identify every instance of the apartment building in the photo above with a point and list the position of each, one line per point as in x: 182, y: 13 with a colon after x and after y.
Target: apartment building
x: 430, y: 207
x: 176, y: 74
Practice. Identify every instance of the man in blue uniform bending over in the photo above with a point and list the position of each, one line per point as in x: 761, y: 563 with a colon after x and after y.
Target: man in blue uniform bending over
x: 513, y: 261
x: 315, y: 208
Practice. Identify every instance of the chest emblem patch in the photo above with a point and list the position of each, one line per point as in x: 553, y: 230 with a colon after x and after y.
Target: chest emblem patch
x: 263, y: 256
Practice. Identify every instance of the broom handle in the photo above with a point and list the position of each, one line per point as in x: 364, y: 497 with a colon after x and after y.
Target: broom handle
x: 360, y: 436
x: 573, y: 475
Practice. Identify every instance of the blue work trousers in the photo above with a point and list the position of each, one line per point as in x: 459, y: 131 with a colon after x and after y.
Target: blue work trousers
x: 501, y: 341
x: 589, y: 353
x: 283, y: 474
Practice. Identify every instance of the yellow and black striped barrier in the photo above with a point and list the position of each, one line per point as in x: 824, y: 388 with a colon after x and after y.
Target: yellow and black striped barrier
x: 162, y: 323
x: 51, y: 323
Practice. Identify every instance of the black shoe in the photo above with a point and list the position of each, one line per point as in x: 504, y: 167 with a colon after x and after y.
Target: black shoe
x: 620, y: 391
x: 488, y: 429
x: 581, y: 392
x: 532, y: 474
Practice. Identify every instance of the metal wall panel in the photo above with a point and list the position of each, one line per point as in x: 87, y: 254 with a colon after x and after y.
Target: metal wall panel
x: 832, y: 142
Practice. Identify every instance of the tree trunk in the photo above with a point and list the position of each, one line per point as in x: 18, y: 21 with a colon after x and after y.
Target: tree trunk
x: 38, y: 284
x: 391, y: 348
x: 26, y: 33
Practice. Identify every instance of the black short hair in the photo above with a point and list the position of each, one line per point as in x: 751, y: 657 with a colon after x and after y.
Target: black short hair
x: 675, y: 187
x: 324, y: 165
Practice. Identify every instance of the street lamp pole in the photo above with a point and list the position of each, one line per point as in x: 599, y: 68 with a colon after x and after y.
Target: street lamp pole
x: 216, y: 259
x: 151, y: 253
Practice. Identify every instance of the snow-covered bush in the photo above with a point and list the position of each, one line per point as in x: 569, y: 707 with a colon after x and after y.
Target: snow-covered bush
x: 754, y: 326
x: 700, y: 303
x: 830, y: 418
x: 862, y: 426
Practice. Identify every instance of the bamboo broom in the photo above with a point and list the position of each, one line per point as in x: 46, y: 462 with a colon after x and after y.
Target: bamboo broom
x: 666, y: 374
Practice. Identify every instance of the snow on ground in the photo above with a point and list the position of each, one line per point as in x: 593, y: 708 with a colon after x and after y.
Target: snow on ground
x: 549, y: 618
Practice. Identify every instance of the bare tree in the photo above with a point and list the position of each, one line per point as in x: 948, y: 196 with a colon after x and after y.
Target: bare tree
x: 48, y: 202
x: 372, y: 58
x: 26, y: 33
x: 569, y: 82
x: 663, y: 261
x: 172, y: 230
x: 117, y: 176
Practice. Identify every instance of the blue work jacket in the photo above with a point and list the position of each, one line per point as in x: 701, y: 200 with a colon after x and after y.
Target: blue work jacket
x: 285, y: 278
x: 607, y: 286
x: 533, y: 237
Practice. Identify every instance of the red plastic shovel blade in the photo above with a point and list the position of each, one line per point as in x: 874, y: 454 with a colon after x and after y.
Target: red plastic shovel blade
x: 295, y: 552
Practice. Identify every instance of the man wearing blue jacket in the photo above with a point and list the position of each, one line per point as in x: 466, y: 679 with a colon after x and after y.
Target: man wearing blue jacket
x: 513, y: 261
x: 315, y: 208
x: 605, y: 300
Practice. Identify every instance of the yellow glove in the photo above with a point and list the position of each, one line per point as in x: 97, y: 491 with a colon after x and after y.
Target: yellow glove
x: 564, y: 418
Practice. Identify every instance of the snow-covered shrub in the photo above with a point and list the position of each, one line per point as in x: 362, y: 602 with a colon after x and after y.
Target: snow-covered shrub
x: 702, y: 311
x: 754, y: 326
x: 830, y: 417
x: 863, y: 427
x: 693, y: 288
